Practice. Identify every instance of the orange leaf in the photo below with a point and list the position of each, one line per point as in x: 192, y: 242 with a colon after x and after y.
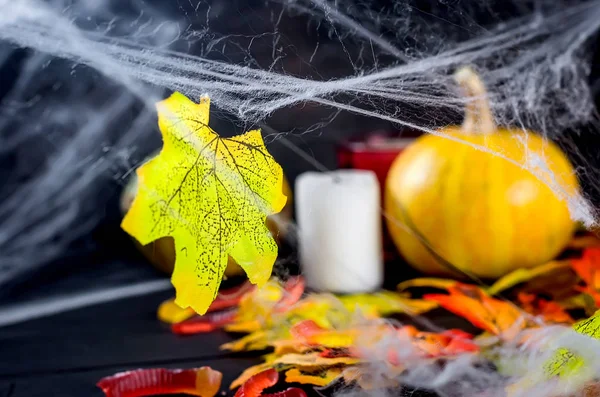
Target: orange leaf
x: 444, y: 344
x: 549, y: 311
x: 489, y: 314
x: 588, y: 267
x: 431, y: 344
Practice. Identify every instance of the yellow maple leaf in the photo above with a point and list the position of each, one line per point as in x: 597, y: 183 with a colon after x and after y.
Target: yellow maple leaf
x: 212, y: 195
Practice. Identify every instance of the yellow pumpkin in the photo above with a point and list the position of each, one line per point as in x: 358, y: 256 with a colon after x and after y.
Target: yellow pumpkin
x: 450, y: 206
x: 161, y: 253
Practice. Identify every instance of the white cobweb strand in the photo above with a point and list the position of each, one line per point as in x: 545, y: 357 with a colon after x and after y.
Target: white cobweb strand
x: 547, y: 63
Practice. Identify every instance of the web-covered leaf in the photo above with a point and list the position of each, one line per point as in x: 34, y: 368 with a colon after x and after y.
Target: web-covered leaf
x: 212, y: 195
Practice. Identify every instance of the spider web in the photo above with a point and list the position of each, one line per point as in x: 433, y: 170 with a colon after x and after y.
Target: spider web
x: 81, y: 77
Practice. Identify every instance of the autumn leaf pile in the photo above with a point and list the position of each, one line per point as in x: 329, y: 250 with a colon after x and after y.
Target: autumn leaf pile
x: 320, y: 339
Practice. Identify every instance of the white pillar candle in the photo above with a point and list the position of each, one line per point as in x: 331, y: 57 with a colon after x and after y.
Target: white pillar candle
x: 339, y: 230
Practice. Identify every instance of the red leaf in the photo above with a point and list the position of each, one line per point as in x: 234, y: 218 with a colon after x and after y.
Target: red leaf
x: 588, y: 269
x: 294, y: 288
x: 231, y: 297
x: 305, y: 329
x: 204, y: 324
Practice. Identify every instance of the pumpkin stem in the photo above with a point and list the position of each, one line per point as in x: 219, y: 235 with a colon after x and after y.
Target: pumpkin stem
x: 478, y: 115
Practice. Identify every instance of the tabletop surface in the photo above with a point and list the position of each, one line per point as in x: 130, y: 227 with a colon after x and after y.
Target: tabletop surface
x: 66, y: 354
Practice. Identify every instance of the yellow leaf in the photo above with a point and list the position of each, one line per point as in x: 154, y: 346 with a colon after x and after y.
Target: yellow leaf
x: 385, y: 303
x: 171, y: 313
x: 212, y: 195
x: 565, y: 364
x: 441, y: 283
x: 258, y: 340
x: 314, y: 360
x: 334, y: 338
x: 287, y: 346
x: 521, y: 275
x: 316, y: 378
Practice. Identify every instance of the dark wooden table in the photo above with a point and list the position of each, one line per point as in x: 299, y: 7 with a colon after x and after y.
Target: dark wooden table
x: 66, y: 354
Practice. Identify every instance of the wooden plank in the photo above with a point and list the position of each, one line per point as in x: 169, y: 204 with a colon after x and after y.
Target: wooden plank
x: 83, y: 383
x: 113, y: 334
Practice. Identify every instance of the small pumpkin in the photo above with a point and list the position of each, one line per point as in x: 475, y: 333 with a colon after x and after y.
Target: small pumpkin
x: 476, y: 211
x: 161, y: 253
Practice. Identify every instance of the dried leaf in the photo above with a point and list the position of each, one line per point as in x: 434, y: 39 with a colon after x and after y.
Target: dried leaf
x: 521, y: 275
x: 314, y: 360
x: 308, y: 332
x: 171, y: 313
x: 448, y: 343
x: 289, y: 346
x: 584, y: 241
x: 203, y: 324
x: 588, y: 269
x: 581, y: 301
x: 385, y: 303
x: 336, y: 352
x: 257, y: 308
x: 305, y: 329
x: 496, y: 316
x: 549, y: 311
x: 324, y: 309
x: 212, y: 195
x: 321, y: 377
x: 258, y: 340
x: 440, y: 283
